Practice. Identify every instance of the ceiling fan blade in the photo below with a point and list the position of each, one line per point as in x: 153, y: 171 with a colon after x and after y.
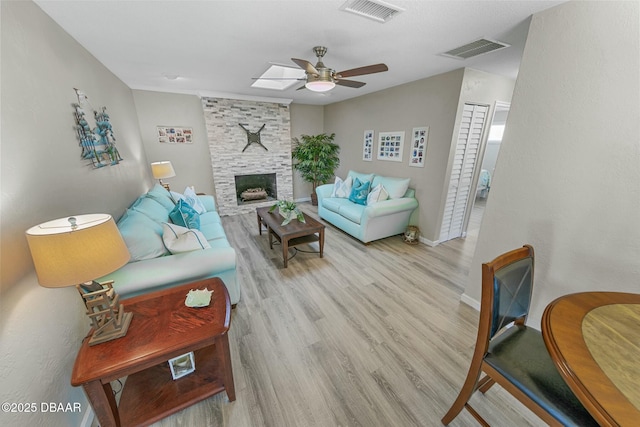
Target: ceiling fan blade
x: 306, y: 65
x: 369, y: 69
x: 350, y: 83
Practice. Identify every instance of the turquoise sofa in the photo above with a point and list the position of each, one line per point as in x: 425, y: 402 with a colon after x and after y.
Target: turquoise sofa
x: 153, y: 266
x: 369, y: 222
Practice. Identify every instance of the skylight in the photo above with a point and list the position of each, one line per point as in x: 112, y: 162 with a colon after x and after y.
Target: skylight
x: 289, y: 76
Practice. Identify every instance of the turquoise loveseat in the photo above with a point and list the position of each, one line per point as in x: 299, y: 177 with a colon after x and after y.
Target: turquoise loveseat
x: 373, y: 221
x: 153, y: 266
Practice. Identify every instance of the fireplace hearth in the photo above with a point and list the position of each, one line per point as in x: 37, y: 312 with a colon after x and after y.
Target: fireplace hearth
x: 256, y: 188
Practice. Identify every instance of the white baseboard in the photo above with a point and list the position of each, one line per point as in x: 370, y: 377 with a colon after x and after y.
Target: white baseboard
x: 428, y: 242
x: 470, y: 301
x: 303, y: 199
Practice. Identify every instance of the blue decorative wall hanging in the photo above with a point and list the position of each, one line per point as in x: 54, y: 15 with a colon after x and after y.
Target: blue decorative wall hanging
x: 98, y: 144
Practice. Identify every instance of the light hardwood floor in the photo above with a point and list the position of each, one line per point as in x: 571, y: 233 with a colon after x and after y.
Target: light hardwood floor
x: 370, y: 335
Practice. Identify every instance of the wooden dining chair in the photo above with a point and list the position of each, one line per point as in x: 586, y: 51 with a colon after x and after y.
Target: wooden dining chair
x: 512, y: 354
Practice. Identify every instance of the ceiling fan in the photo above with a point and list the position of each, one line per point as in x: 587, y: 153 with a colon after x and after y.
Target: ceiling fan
x: 320, y: 78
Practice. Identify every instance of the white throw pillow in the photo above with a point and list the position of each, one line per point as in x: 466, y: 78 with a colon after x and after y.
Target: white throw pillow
x: 181, y: 239
x: 378, y: 194
x: 192, y: 198
x: 341, y: 188
x: 176, y: 197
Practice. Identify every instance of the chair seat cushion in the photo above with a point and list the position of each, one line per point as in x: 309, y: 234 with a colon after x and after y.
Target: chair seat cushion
x: 521, y: 356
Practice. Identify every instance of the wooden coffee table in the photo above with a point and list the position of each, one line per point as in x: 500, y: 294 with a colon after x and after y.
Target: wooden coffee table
x: 162, y: 328
x: 293, y: 234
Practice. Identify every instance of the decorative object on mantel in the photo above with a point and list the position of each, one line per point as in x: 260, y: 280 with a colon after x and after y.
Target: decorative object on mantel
x: 288, y: 210
x: 175, y: 135
x: 367, y: 146
x: 390, y: 146
x: 316, y: 158
x: 98, y: 144
x: 418, y: 146
x: 163, y: 170
x: 253, y: 137
x: 75, y: 251
x: 411, y: 235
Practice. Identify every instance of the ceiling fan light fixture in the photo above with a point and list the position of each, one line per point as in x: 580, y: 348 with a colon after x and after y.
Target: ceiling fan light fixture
x: 320, y: 86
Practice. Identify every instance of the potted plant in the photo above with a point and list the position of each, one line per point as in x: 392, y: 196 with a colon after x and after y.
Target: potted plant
x: 316, y: 157
x: 288, y: 210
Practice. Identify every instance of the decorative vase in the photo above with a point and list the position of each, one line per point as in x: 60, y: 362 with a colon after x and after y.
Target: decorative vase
x: 284, y: 213
x: 411, y: 235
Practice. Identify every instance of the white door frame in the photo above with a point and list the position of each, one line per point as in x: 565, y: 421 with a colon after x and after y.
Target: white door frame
x: 478, y: 167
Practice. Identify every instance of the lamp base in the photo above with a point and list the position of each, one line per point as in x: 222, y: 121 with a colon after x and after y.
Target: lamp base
x: 107, y: 315
x: 112, y: 332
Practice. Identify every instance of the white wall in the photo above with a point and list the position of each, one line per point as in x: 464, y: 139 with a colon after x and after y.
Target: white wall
x: 568, y: 176
x: 192, y: 162
x: 43, y: 178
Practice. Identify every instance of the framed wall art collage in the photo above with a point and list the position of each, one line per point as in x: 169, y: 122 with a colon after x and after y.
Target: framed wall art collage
x: 175, y: 135
x: 391, y: 146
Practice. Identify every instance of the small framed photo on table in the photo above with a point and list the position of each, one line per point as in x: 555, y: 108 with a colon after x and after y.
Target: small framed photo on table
x: 182, y: 365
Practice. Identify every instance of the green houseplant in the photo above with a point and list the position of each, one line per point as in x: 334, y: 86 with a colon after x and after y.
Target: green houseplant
x: 288, y: 210
x: 316, y: 158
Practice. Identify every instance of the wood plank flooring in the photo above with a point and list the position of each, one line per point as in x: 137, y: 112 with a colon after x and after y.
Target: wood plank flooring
x: 370, y: 335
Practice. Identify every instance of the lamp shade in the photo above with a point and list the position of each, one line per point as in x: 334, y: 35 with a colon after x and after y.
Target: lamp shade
x: 320, y: 86
x: 162, y: 170
x: 66, y: 255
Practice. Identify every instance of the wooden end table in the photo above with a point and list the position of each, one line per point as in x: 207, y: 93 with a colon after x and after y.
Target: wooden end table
x: 162, y: 328
x: 290, y: 235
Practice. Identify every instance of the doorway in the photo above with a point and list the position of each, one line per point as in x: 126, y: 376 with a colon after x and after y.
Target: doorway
x: 470, y: 182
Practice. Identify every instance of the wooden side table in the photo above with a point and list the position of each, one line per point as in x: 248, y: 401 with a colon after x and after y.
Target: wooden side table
x: 162, y: 328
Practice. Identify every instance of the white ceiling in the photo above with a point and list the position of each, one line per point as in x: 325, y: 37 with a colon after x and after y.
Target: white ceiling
x: 217, y: 47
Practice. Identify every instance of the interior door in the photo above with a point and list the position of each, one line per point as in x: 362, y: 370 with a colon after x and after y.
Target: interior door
x: 462, y: 173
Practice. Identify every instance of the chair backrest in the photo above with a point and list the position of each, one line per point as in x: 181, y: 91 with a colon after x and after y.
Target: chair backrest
x: 507, y: 283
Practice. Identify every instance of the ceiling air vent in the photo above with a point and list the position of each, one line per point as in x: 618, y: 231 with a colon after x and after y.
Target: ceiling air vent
x: 475, y: 48
x: 372, y: 9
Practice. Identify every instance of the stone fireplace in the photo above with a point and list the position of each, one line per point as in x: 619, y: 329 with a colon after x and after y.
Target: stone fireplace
x: 232, y: 156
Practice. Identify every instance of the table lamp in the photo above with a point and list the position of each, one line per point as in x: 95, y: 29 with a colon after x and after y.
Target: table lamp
x: 162, y: 170
x: 75, y: 251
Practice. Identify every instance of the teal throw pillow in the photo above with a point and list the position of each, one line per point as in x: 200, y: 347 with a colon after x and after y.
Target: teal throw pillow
x: 359, y: 192
x: 184, y: 215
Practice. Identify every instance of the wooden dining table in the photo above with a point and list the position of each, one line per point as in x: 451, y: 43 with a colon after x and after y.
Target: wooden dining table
x: 594, y: 340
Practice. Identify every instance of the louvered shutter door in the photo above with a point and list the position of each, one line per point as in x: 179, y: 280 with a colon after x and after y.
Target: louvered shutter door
x: 464, y: 162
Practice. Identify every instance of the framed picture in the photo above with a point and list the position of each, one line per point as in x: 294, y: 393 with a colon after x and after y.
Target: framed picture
x: 419, y: 138
x: 182, y: 365
x: 175, y: 135
x: 367, y: 146
x: 390, y: 145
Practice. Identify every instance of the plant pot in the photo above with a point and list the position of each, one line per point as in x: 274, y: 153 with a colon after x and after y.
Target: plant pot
x: 314, y: 199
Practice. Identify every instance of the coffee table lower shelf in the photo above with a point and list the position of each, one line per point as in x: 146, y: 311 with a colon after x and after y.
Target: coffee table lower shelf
x: 152, y: 394
x: 299, y: 240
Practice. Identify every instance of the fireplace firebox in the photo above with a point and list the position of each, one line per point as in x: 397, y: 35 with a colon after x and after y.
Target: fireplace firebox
x: 256, y: 188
